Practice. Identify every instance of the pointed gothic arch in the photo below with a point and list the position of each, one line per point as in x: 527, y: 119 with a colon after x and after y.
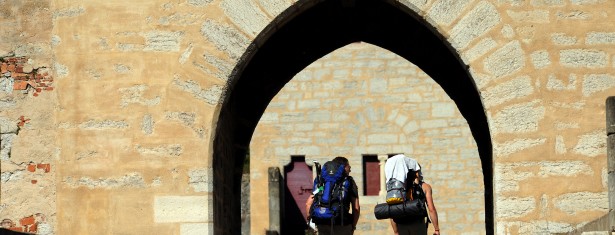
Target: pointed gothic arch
x: 302, y: 34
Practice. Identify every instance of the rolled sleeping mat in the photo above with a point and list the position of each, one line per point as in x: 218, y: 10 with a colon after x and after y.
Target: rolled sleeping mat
x: 409, y: 209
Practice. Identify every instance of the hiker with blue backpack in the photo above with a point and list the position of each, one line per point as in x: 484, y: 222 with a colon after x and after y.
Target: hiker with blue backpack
x: 335, y: 194
x: 409, y: 206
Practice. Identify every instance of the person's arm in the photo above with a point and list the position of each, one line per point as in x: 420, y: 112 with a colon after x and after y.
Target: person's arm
x: 433, y: 213
x: 356, y: 211
x: 308, y: 205
x: 354, y: 201
x: 394, y: 225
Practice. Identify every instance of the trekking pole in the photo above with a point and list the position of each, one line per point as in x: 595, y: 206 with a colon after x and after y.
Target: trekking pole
x: 318, y: 169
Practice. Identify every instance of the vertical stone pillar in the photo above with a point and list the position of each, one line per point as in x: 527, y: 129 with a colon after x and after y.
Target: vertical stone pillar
x: 274, y: 200
x: 383, y: 190
x: 610, y: 132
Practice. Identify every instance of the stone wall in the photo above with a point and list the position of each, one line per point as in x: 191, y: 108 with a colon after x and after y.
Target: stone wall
x: 28, y: 152
x: 123, y: 142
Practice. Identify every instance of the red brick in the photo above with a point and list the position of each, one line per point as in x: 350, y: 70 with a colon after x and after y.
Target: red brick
x: 22, y: 85
x: 31, y: 167
x: 33, y: 228
x: 18, y: 74
x: 23, y: 119
x: 38, y: 89
x: 27, y: 221
x: 4, y: 68
x: 49, y: 88
x: 35, y: 94
x: 34, y: 181
x: 11, y: 68
x: 19, y: 69
x: 45, y: 167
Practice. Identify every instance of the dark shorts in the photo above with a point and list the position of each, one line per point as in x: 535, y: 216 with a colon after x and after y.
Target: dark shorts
x: 412, y: 227
x: 337, y: 229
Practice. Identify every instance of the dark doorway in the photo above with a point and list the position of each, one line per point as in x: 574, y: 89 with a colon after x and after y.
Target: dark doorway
x: 299, y: 184
x: 302, y: 34
x: 371, y: 175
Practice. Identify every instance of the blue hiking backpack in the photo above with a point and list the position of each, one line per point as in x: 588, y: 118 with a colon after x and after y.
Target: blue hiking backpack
x: 330, y: 191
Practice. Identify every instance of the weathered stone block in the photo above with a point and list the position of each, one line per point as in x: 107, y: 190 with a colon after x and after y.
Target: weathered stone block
x: 519, y: 118
x: 548, y: 2
x: 574, y: 203
x: 591, y: 144
x: 201, y: 180
x: 162, y: 41
x: 594, y: 38
x: 509, y: 90
x: 563, y: 39
x: 514, y: 207
x: 517, y: 145
x: 441, y: 110
x: 225, y: 38
x: 535, y: 16
x: 586, y: 2
x: 594, y: 83
x: 196, y: 229
x: 474, y: 24
x: 444, y: 12
x: 507, y: 60
x: 579, y: 58
x: 181, y: 209
x: 382, y: 139
x: 557, y: 85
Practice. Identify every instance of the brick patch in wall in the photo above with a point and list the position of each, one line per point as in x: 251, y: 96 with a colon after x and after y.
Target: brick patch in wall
x: 22, y: 121
x: 35, y: 223
x: 23, y: 76
x: 45, y: 167
x: 32, y: 167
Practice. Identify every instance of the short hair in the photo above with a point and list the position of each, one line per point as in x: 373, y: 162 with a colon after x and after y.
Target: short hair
x: 341, y: 160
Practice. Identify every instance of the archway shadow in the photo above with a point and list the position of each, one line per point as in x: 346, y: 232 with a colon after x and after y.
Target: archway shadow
x: 304, y: 33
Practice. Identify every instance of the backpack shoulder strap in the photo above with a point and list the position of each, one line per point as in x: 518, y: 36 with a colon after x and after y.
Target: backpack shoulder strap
x: 351, y: 187
x: 420, y: 189
x: 347, y: 180
x: 421, y: 183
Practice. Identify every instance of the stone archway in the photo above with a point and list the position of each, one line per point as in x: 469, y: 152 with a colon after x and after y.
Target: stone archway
x: 301, y: 35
